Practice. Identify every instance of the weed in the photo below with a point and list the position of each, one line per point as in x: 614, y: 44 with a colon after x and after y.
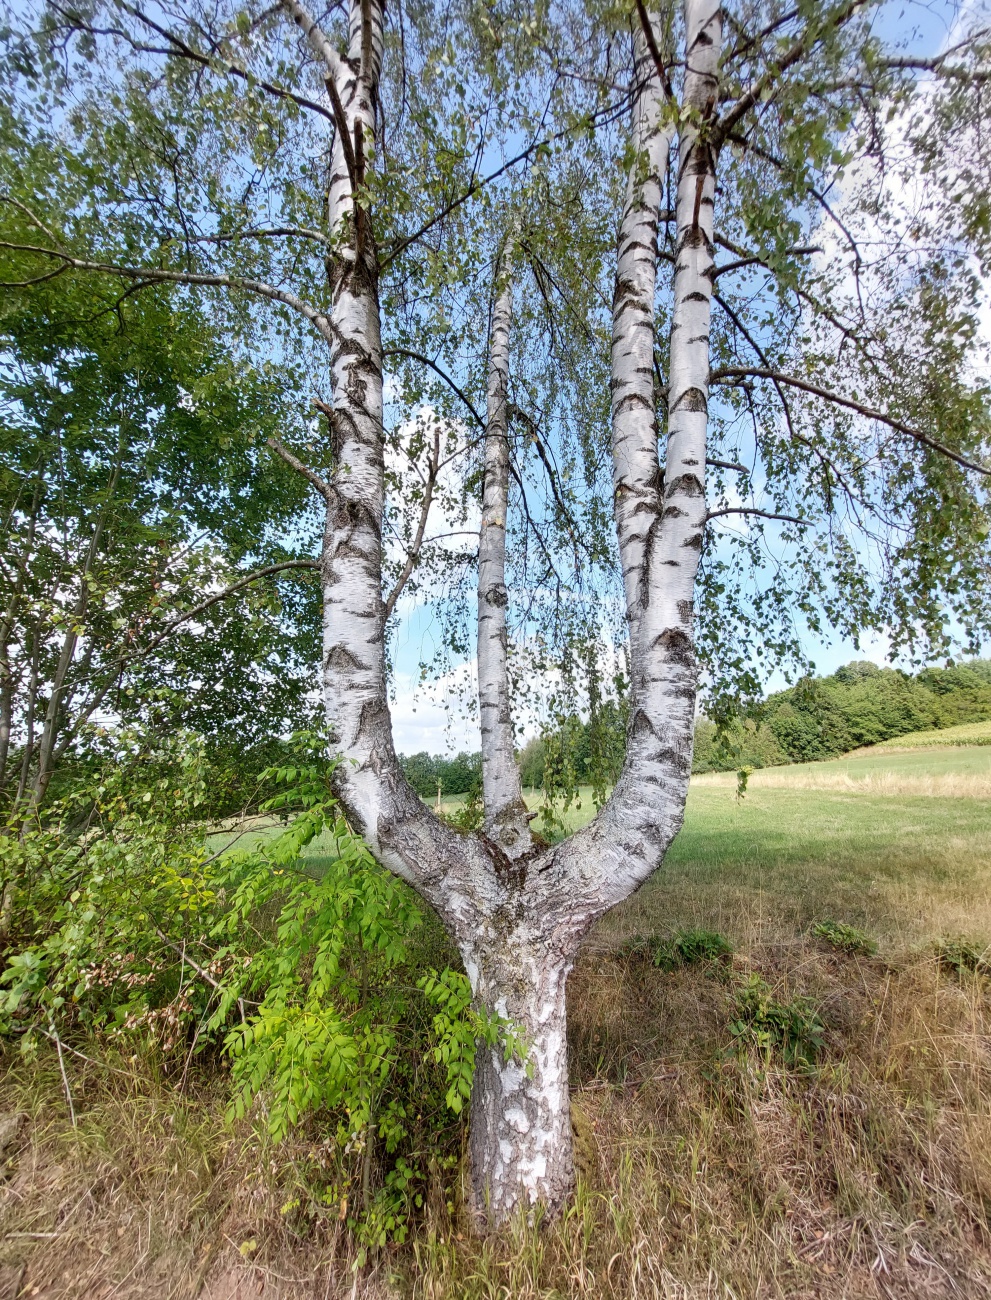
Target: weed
x: 847, y: 938
x: 470, y: 816
x: 695, y: 947
x: 792, y: 1029
x: 964, y: 956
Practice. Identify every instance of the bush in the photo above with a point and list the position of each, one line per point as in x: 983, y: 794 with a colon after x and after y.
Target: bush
x: 847, y: 938
x: 328, y: 990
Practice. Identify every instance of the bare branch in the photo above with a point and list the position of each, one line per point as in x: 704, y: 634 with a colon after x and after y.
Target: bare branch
x: 764, y: 514
x: 414, y: 552
x: 727, y: 464
x: 648, y: 35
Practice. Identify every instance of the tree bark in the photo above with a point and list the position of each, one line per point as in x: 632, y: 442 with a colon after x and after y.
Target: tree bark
x: 506, y: 820
x: 520, y: 1143
x: 517, y: 911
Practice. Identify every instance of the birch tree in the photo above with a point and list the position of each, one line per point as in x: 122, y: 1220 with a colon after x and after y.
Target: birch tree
x: 692, y: 86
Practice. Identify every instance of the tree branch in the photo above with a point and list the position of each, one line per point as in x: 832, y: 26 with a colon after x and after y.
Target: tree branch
x: 315, y: 36
x: 800, y: 47
x: 648, y: 35
x: 418, y: 356
x: 179, y: 47
x: 325, y: 489
x: 414, y: 553
x: 157, y: 275
x: 764, y: 514
x: 837, y: 399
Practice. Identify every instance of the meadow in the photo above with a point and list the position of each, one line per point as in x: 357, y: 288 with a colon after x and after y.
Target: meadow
x: 780, y: 1076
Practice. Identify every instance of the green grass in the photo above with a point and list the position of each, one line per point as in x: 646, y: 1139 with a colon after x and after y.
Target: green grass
x: 895, y: 844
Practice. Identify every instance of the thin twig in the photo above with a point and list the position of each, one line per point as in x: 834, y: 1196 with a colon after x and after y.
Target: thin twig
x: 65, y: 1077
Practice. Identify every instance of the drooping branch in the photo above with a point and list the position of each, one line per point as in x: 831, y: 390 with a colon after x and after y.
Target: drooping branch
x: 442, y: 374
x: 149, y: 275
x: 851, y: 404
x: 178, y: 48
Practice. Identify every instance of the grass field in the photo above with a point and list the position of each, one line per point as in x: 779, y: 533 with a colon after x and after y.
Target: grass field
x: 970, y: 733
x: 706, y: 1170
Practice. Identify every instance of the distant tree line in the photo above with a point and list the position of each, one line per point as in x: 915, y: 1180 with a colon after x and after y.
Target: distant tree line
x: 818, y: 718
x: 461, y: 774
x: 860, y: 704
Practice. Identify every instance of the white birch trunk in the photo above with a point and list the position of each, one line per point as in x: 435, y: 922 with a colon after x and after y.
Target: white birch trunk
x: 506, y: 820
x: 518, y: 912
x: 520, y: 1141
x: 636, y: 472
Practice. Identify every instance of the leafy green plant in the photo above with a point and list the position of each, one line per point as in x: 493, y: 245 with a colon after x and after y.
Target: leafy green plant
x: 321, y: 979
x: 695, y: 947
x: 791, y: 1030
x: 964, y: 956
x: 470, y: 816
x: 847, y: 938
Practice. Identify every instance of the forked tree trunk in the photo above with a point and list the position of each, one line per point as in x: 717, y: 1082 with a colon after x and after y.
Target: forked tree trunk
x: 517, y: 911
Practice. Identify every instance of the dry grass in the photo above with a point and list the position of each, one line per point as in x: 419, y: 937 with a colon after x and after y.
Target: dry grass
x: 939, y: 785
x: 703, y: 1174
x: 152, y: 1194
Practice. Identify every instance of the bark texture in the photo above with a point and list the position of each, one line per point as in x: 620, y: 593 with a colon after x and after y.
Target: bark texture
x: 506, y: 820
x: 518, y: 911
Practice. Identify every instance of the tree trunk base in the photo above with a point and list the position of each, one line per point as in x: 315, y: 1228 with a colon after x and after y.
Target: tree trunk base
x: 521, y: 1142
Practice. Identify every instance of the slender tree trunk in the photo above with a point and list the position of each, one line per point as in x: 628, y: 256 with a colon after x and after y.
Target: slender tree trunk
x: 506, y: 819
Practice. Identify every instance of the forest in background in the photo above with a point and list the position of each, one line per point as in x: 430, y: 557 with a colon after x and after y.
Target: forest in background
x: 816, y: 719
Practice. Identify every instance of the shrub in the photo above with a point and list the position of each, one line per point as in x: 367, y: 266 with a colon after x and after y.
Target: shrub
x: 327, y: 988
x: 792, y: 1030
x: 847, y: 938
x: 694, y: 947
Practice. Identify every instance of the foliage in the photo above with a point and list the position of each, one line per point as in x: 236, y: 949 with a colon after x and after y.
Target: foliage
x: 127, y: 433
x: 694, y: 947
x: 792, y: 1030
x: 847, y: 938
x: 470, y: 816
x: 321, y: 980
x: 860, y: 704
x: 964, y: 956
x: 461, y: 774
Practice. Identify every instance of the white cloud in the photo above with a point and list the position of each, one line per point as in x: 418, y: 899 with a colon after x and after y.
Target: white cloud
x: 435, y: 716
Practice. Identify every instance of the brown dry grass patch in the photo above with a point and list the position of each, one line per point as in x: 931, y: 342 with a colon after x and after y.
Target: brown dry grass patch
x: 703, y: 1173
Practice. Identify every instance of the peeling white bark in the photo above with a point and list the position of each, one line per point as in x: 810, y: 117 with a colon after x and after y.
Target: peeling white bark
x: 506, y: 820
x: 517, y: 911
x: 636, y: 472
